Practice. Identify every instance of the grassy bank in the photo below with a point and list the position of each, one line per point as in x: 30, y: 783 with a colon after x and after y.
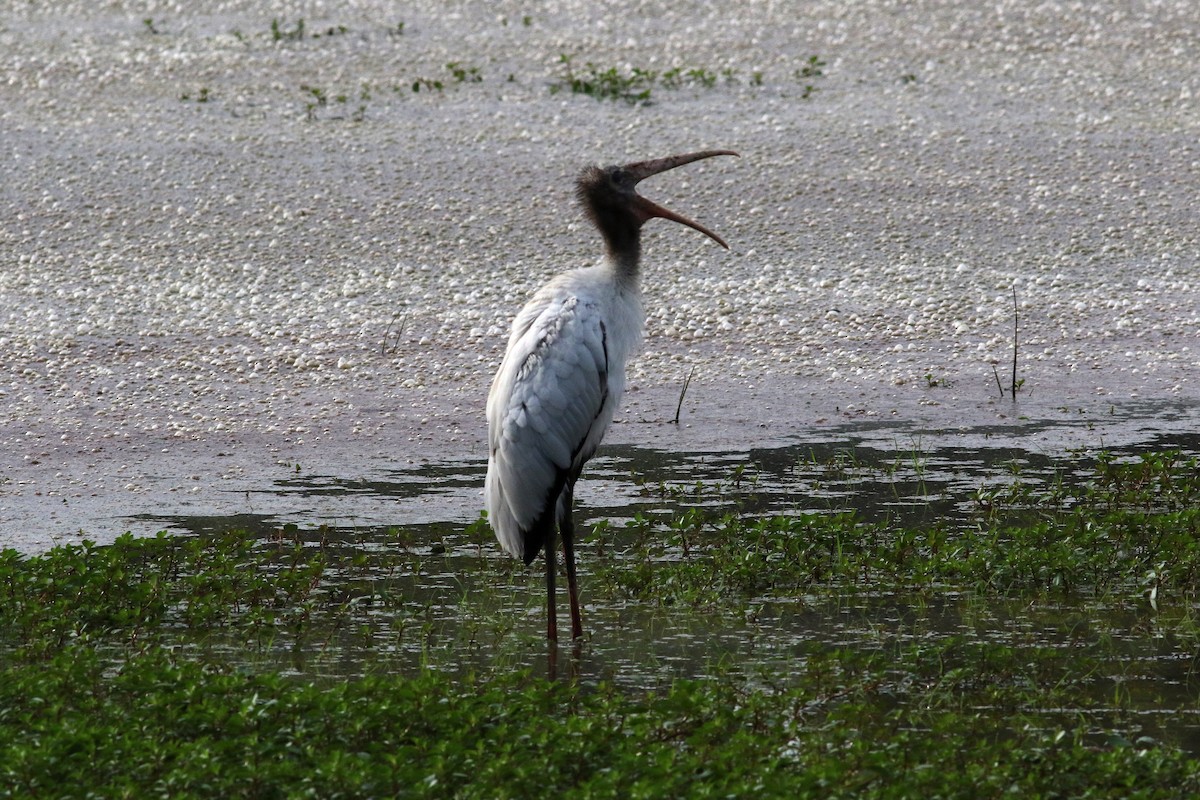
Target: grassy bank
x: 1046, y: 646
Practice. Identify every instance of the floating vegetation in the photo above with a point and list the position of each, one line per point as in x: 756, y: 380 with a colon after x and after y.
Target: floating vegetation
x: 609, y: 83
x: 812, y: 69
x: 635, y: 85
x: 463, y: 73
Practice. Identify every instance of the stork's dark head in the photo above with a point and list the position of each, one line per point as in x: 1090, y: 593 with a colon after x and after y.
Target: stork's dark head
x: 610, y: 199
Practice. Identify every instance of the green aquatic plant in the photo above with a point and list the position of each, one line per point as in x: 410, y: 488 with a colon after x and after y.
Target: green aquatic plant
x: 1019, y: 650
x: 812, y: 69
x: 279, y: 33
x: 605, y: 84
x: 846, y: 724
x: 464, y: 74
x: 1102, y: 536
x: 202, y: 95
x: 634, y: 85
x: 428, y: 84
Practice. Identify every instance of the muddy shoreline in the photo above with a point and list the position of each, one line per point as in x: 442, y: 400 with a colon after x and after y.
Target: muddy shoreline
x: 228, y: 258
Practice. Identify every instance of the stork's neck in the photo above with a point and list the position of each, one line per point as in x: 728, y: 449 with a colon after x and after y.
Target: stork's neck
x: 624, y: 246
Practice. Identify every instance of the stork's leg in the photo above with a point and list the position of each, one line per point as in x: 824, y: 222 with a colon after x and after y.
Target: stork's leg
x: 551, y: 615
x: 566, y: 526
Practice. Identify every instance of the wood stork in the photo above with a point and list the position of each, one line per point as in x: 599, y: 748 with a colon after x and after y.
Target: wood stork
x: 564, y: 372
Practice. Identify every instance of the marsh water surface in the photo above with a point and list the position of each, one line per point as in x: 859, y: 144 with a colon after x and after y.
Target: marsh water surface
x: 440, y: 593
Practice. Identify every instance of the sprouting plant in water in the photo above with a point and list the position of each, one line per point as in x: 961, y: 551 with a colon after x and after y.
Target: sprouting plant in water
x: 364, y: 95
x: 676, y: 77
x: 671, y: 78
x: 319, y: 100
x: 811, y: 68
x: 605, y: 84
x: 317, y: 93
x: 281, y: 34
x: 464, y: 74
x: 809, y: 71
x: 635, y: 84
x: 428, y: 84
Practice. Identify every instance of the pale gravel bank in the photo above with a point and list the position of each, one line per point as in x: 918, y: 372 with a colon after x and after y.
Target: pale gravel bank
x: 208, y: 276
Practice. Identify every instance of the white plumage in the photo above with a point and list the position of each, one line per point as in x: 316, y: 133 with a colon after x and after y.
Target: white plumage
x: 563, y: 375
x: 555, y: 394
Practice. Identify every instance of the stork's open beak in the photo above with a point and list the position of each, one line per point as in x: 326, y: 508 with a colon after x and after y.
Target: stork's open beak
x: 648, y: 208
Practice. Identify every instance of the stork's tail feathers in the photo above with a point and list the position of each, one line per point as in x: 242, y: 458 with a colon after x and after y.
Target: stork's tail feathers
x: 523, y: 540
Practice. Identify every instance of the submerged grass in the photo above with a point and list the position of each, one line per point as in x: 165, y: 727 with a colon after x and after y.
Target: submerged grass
x: 1131, y: 525
x: 231, y: 666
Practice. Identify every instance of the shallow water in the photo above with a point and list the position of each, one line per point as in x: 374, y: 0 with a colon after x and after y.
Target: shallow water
x: 441, y: 594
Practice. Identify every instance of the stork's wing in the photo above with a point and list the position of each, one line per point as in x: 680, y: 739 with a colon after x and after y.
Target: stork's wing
x: 547, y: 411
